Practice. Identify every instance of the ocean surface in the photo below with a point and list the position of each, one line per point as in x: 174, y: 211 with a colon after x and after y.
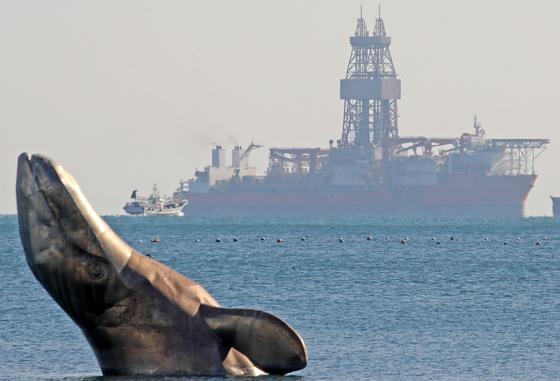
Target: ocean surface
x: 483, y: 305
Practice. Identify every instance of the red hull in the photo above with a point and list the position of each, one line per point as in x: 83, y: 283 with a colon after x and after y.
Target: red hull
x: 460, y: 195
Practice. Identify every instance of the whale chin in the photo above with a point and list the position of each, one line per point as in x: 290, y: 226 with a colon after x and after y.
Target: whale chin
x: 139, y: 316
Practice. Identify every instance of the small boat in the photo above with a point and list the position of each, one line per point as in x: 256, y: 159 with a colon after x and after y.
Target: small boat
x: 154, y: 205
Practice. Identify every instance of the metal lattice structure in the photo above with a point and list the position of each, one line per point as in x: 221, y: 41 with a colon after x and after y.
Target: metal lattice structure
x: 284, y: 161
x: 519, y: 154
x: 370, y: 91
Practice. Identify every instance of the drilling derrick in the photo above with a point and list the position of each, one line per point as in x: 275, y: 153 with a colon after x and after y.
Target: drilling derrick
x: 370, y: 91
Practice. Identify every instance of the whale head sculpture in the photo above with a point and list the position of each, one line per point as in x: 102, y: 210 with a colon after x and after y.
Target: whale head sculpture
x: 139, y: 316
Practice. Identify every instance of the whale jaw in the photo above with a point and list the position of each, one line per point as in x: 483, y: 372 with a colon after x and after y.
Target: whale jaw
x: 60, y: 247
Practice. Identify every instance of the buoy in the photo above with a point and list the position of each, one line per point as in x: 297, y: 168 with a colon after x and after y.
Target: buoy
x: 341, y: 240
x: 155, y: 240
x: 279, y: 240
x: 369, y: 238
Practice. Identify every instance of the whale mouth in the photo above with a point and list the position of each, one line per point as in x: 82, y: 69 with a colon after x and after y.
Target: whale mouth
x: 40, y: 231
x: 58, y: 234
x: 46, y: 211
x: 52, y: 208
x: 35, y: 173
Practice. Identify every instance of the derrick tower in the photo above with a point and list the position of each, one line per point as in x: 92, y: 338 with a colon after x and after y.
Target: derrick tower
x: 370, y: 91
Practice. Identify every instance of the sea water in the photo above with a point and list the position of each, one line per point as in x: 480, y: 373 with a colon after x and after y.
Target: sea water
x: 425, y: 299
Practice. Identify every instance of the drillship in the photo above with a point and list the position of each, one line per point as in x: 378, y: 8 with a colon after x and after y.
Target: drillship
x: 371, y: 169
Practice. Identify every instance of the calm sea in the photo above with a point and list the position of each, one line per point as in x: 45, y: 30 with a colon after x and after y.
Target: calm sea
x: 485, y: 305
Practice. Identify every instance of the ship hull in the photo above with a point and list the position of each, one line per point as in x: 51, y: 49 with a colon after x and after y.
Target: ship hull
x: 460, y: 196
x: 173, y: 212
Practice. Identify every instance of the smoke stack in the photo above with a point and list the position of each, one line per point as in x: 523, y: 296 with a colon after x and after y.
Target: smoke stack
x: 218, y: 157
x: 236, y: 154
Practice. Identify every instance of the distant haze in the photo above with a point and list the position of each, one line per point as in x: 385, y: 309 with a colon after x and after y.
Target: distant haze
x: 127, y: 93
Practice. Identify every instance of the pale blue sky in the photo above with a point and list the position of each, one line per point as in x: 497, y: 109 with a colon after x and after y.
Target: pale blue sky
x: 126, y: 93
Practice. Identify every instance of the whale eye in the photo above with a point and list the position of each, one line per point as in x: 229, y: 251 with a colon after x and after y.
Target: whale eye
x: 97, y: 270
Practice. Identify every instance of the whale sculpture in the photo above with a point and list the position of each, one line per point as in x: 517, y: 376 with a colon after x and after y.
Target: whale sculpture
x: 139, y: 316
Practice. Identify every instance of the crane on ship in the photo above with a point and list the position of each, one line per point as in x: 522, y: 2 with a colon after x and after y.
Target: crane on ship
x: 253, y: 146
x: 242, y: 161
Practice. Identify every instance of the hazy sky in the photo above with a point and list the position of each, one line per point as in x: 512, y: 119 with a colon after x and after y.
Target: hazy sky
x: 126, y: 93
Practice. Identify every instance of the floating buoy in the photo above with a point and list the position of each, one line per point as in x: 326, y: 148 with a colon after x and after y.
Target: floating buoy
x: 279, y: 240
x: 369, y: 238
x: 341, y: 240
x: 155, y: 240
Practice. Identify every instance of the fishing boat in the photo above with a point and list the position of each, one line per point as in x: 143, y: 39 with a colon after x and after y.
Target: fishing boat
x: 154, y: 205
